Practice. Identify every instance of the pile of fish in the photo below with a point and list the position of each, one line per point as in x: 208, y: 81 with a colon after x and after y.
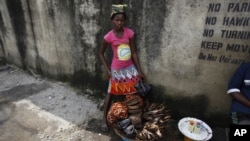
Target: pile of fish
x: 135, y: 105
x: 144, y: 122
x: 156, y: 118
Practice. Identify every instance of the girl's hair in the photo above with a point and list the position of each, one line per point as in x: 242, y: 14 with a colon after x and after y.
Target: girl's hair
x: 123, y: 13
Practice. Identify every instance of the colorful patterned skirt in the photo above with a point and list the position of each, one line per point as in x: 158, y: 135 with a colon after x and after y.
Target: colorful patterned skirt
x: 123, y: 81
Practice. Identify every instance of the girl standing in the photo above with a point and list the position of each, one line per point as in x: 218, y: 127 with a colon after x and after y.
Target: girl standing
x: 125, y: 70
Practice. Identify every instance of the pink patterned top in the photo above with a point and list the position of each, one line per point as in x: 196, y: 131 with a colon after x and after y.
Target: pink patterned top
x: 121, y: 48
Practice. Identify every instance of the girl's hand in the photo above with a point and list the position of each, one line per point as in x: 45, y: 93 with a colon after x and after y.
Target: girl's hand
x: 109, y: 74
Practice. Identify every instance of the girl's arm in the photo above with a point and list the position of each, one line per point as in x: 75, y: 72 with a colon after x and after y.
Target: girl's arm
x: 135, y: 57
x: 103, y: 59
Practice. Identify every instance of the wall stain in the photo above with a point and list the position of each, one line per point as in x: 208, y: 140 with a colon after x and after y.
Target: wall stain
x: 51, y: 10
x: 80, y: 79
x: 4, y: 32
x: 2, y: 26
x: 59, y: 7
x: 18, y: 22
x: 153, y: 29
x: 2, y: 46
x: 85, y: 80
x: 38, y: 64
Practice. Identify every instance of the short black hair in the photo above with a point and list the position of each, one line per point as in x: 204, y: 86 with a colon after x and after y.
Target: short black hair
x: 123, y: 13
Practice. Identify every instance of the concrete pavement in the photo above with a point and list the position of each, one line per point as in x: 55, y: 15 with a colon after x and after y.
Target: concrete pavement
x: 36, y: 109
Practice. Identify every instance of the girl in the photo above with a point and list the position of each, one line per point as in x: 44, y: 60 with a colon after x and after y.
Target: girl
x: 125, y: 70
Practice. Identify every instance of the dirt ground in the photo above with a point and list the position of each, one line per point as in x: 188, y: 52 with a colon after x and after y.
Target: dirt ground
x: 33, y: 108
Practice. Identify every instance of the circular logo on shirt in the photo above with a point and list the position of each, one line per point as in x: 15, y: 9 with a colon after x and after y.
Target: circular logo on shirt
x: 124, y: 52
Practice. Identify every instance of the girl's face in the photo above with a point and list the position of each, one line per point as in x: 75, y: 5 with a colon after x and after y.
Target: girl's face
x: 118, y: 21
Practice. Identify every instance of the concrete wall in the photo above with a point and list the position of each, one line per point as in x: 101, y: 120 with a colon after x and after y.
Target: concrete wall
x: 188, y: 49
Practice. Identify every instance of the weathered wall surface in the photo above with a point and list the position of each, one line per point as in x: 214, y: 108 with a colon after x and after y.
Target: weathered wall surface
x: 188, y: 49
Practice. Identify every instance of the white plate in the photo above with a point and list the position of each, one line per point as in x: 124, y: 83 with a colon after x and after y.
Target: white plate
x: 205, y: 134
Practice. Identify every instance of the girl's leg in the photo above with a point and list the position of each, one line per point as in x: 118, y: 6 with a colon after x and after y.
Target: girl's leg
x: 104, y: 125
